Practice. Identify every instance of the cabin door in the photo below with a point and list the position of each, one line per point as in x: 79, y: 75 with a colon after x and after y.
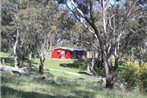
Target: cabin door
x: 62, y: 54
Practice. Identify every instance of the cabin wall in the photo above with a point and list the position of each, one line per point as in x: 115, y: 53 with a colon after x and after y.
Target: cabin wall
x: 79, y: 54
x: 67, y: 54
x: 57, y: 53
x: 91, y: 54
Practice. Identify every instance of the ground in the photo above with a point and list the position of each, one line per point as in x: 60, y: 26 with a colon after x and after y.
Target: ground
x: 57, y: 82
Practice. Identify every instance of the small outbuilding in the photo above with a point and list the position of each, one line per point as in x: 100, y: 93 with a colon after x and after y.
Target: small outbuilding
x: 68, y: 53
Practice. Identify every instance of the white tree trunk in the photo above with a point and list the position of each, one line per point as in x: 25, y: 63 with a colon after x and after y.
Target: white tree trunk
x: 20, y: 71
x: 30, y: 60
x: 15, y: 49
x: 42, y: 59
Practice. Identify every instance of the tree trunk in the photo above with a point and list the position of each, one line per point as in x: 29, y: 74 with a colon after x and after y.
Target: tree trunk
x: 21, y: 58
x: 42, y: 59
x: 30, y: 60
x: 3, y: 61
x: 90, y: 67
x: 110, y: 72
x: 15, y: 50
x: 20, y: 71
x: 116, y: 62
x: 110, y: 79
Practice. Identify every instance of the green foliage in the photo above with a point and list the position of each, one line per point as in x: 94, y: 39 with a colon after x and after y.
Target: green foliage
x: 143, y: 76
x: 135, y: 74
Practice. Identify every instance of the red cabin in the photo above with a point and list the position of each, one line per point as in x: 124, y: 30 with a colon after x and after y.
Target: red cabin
x: 68, y: 53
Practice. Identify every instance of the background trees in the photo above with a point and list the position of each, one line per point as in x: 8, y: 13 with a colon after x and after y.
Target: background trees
x: 117, y: 21
x: 27, y: 26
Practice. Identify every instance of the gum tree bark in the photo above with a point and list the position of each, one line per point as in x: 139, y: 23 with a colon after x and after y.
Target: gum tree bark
x: 30, y: 60
x: 16, y: 40
x: 42, y: 59
x: 15, y: 49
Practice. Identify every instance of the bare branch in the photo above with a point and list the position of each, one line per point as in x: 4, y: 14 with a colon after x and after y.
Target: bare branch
x: 91, y: 11
x: 128, y: 13
x: 94, y: 30
x: 73, y: 12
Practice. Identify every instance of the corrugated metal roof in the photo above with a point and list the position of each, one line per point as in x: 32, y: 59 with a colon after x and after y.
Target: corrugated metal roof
x: 71, y: 49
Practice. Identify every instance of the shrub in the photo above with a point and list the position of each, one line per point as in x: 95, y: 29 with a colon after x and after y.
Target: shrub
x: 143, y: 76
x: 135, y: 74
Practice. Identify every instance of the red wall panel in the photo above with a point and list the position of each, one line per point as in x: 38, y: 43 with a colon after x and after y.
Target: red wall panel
x: 57, y: 54
x: 68, y: 54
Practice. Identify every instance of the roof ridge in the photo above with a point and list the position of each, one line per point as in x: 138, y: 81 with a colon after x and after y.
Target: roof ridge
x: 71, y: 49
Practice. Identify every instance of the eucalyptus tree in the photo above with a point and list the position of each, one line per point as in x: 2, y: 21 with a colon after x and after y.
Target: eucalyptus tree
x: 109, y: 22
x: 11, y: 9
x: 39, y: 22
x: 29, y: 28
x: 5, y: 20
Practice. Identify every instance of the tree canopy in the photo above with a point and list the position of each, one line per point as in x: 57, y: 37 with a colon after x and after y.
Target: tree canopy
x: 112, y: 28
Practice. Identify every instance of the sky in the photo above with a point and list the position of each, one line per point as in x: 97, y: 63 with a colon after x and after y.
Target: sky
x: 98, y: 6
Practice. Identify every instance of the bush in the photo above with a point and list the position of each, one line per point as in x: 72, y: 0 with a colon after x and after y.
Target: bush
x: 143, y: 76
x: 135, y: 74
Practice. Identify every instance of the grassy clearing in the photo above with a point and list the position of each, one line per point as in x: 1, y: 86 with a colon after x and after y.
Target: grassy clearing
x: 7, y: 58
x: 49, y: 63
x: 56, y: 64
x: 3, y: 54
x: 57, y: 84
x: 13, y: 86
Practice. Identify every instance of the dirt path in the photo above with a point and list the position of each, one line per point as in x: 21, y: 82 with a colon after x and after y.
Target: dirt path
x: 71, y: 73
x: 82, y: 75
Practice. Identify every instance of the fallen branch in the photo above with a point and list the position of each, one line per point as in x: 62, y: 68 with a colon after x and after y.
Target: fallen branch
x: 15, y: 70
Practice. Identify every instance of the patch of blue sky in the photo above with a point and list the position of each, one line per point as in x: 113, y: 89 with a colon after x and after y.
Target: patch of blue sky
x: 112, y: 2
x: 121, y: 2
x: 97, y: 5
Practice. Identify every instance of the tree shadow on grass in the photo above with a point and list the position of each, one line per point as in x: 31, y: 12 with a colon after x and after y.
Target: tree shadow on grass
x: 84, y: 94
x: 10, y: 61
x: 5, y: 91
x: 75, y: 64
x: 7, y: 60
